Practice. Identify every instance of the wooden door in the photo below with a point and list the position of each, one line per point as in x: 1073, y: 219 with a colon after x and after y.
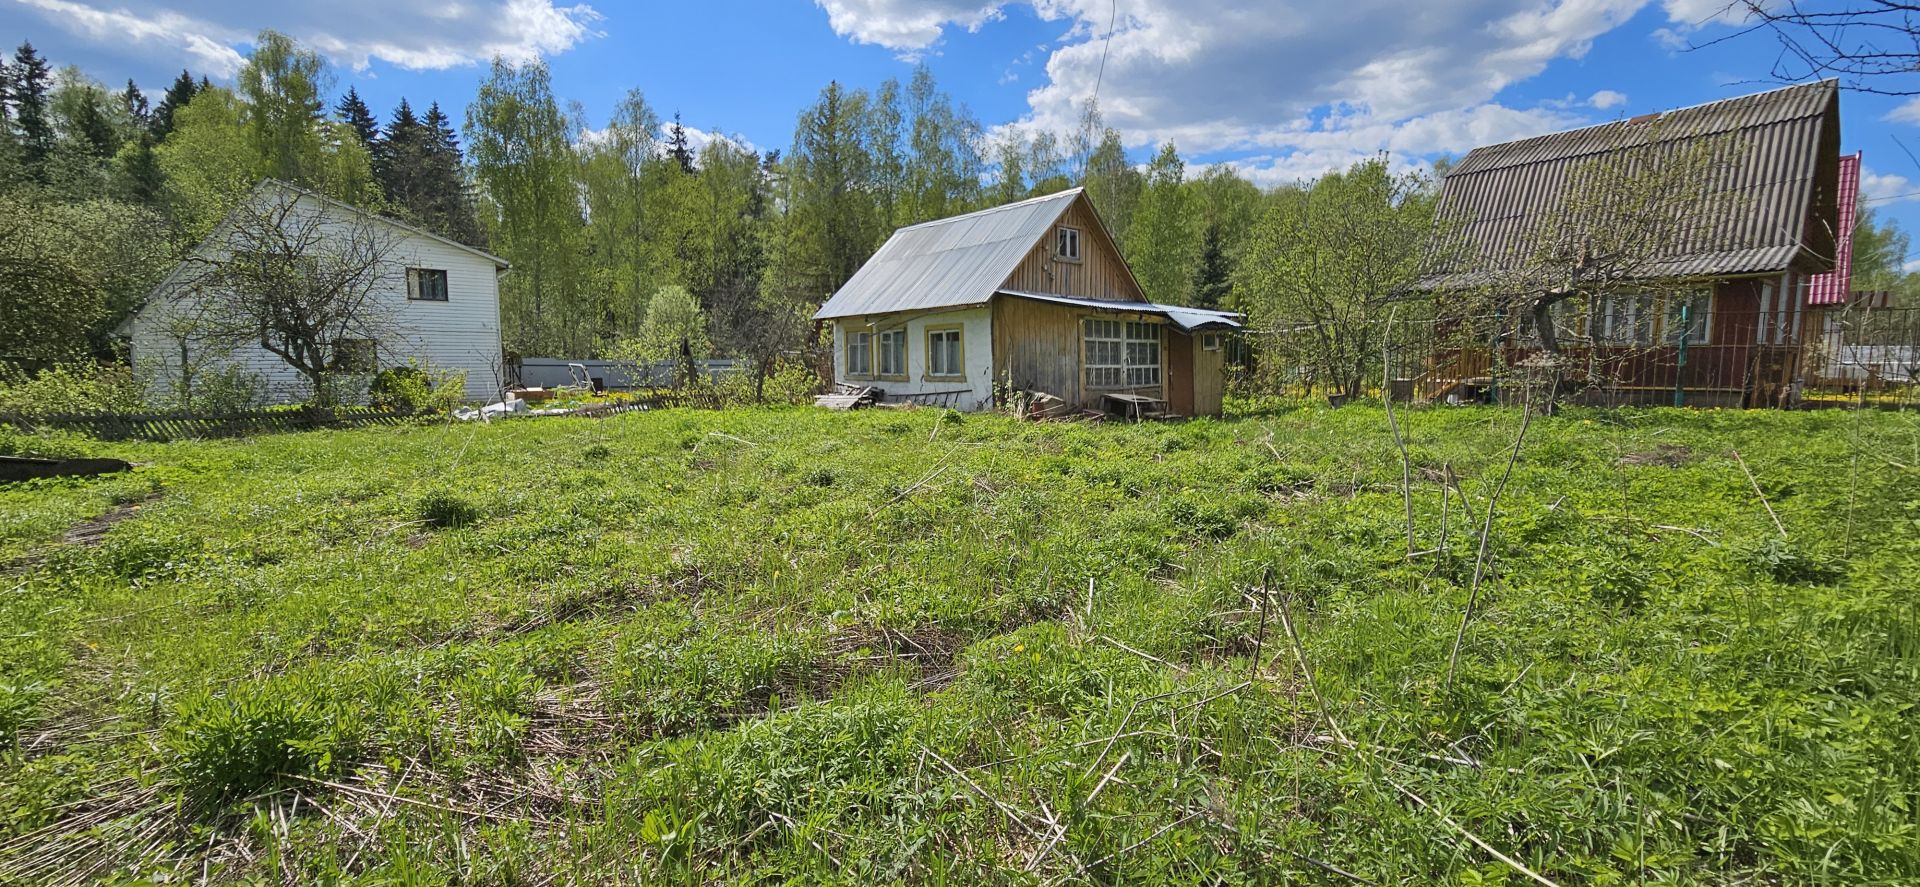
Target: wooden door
x: 1179, y: 372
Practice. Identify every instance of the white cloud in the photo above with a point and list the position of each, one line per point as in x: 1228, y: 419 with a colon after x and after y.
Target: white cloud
x: 1305, y: 89
x: 1216, y: 75
x: 205, y: 45
x: 909, y: 27
x: 1690, y: 16
x: 1908, y: 112
x: 1882, y: 189
x: 415, y: 34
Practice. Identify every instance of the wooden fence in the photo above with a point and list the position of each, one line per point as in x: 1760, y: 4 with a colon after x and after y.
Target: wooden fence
x: 180, y: 425
x: 174, y: 426
x: 658, y: 399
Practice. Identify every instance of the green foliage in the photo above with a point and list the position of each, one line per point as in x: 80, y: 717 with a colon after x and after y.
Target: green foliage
x: 70, y: 388
x: 1321, y: 262
x: 1782, y: 561
x: 415, y: 387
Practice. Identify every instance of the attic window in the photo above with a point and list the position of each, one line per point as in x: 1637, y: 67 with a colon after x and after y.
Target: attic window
x: 1068, y: 244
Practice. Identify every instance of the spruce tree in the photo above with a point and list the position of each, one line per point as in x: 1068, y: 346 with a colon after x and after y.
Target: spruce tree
x: 448, y: 211
x: 176, y: 97
x: 677, y: 148
x: 28, y: 94
x: 401, y: 158
x: 356, y: 114
x: 1213, y: 277
x: 136, y: 105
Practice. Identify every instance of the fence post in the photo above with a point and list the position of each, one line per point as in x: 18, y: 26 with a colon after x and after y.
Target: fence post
x: 1680, y: 361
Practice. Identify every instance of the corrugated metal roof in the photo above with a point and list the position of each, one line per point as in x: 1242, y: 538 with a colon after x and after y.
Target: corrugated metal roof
x: 1781, y: 174
x: 1833, y: 287
x: 1187, y: 319
x: 948, y: 262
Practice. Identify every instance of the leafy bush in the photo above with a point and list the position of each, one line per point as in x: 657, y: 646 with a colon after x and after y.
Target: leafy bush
x: 71, y: 388
x: 228, y: 389
x: 416, y: 388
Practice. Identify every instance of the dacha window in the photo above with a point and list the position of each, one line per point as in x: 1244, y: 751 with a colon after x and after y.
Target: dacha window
x: 426, y: 284
x: 860, y: 354
x: 946, y: 358
x: 1069, y: 244
x: 892, y: 354
x: 1121, y: 354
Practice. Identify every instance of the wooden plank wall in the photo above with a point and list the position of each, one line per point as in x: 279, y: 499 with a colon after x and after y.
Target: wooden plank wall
x: 1036, y: 346
x: 1101, y: 272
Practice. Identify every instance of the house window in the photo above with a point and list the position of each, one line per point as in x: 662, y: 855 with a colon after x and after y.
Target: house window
x: 1121, y: 354
x: 1623, y: 319
x: 860, y: 354
x: 892, y: 354
x: 1069, y: 244
x: 355, y: 356
x: 1698, y: 308
x: 426, y: 285
x: 1210, y: 342
x: 946, y: 357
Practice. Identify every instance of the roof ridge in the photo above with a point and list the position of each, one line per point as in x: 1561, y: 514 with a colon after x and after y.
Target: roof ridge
x: 1077, y: 189
x: 1649, y: 117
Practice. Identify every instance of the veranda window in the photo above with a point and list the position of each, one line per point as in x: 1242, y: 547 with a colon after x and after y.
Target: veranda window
x: 1121, y: 354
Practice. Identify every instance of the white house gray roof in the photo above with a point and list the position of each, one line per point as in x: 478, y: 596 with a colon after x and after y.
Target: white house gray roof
x: 1181, y: 316
x: 948, y: 262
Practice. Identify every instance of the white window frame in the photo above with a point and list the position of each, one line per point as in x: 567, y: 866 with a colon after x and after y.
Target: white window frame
x: 1624, y: 319
x: 890, y: 354
x: 859, y: 344
x: 1209, y: 341
x: 1066, y: 244
x: 1111, y: 354
x: 1700, y: 319
x: 946, y: 353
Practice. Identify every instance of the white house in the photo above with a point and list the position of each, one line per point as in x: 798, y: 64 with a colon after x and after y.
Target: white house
x: 439, y: 305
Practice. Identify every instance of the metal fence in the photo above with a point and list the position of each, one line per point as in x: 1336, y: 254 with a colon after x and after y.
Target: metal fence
x: 1811, y: 358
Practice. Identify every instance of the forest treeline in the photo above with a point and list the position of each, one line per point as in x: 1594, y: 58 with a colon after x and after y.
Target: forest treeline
x: 102, y: 189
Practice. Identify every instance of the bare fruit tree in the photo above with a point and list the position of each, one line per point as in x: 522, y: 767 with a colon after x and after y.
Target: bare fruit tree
x: 1871, y: 45
x: 307, y: 282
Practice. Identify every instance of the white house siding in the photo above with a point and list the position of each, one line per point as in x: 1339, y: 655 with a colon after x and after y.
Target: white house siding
x: 976, y: 341
x: 460, y: 334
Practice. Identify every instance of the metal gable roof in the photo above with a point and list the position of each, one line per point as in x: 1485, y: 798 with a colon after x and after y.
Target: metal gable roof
x: 948, y: 262
x: 1770, y: 214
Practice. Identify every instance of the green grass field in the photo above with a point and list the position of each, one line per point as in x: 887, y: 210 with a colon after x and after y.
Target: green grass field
x: 878, y: 647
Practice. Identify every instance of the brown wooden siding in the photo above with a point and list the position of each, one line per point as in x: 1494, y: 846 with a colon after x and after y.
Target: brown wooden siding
x: 1101, y: 272
x: 1036, y: 347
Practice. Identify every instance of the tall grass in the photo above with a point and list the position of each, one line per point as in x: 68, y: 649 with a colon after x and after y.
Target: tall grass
x: 763, y: 645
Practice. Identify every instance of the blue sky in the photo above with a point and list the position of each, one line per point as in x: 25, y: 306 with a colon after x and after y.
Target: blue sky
x: 1280, y: 90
